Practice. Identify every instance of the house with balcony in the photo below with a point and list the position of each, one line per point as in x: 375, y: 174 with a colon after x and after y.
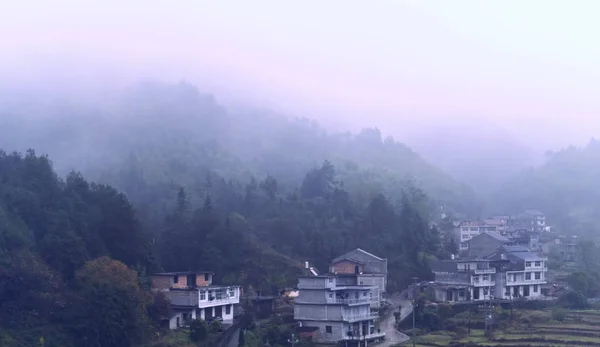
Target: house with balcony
x: 368, y: 269
x: 524, y: 275
x: 335, y: 308
x: 508, y: 272
x: 194, y: 296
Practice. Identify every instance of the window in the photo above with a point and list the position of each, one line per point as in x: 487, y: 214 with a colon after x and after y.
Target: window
x: 527, y: 276
x: 356, y: 295
x: 207, y: 277
x: 364, y: 293
x: 371, y: 294
x: 538, y: 275
x: 228, y: 309
x: 461, y: 292
x: 465, y: 236
x: 535, y: 288
x: 331, y: 295
x: 486, y: 277
x: 203, y: 295
x: 485, y: 291
x: 476, y: 279
x: 328, y: 329
x: 175, y: 279
x: 527, y: 264
x: 330, y: 279
x: 538, y: 263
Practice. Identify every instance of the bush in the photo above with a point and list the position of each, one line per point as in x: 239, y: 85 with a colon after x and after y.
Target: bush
x: 559, y: 315
x: 573, y: 300
x: 216, y: 326
x: 198, y: 330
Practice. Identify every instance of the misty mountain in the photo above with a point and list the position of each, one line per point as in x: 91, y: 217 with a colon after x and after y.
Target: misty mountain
x: 477, y: 152
x: 564, y: 187
x: 173, y: 135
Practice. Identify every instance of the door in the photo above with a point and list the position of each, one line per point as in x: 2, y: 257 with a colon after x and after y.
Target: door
x: 449, y: 295
x: 356, y: 269
x: 219, y: 311
x: 515, y: 291
x: 525, y: 291
x: 475, y: 293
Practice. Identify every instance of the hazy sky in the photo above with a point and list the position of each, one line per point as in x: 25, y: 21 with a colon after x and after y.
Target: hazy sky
x: 530, y: 66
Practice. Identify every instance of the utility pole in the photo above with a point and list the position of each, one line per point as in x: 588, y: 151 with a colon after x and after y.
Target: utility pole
x: 414, y: 307
x: 293, y: 340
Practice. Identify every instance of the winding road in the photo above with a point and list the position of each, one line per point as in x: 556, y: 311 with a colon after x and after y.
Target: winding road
x: 388, y: 322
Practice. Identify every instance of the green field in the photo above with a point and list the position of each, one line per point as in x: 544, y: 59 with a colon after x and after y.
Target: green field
x: 527, y: 328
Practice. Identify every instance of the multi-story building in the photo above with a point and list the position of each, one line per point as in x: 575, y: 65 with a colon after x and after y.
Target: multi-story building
x: 335, y: 308
x: 469, y: 229
x: 507, y: 272
x: 368, y: 269
x: 193, y: 295
x: 530, y: 220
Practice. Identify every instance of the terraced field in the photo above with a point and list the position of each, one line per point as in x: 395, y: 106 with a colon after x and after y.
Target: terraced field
x: 528, y: 328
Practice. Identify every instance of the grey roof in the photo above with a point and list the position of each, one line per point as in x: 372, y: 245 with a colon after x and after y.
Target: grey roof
x: 526, y: 255
x: 497, y: 236
x: 444, y: 266
x: 348, y: 256
x: 516, y: 248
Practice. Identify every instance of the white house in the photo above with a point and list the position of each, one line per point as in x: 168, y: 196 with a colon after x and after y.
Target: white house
x: 193, y: 296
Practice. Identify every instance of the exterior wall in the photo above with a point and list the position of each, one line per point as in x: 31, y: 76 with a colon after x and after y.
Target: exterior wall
x: 183, y: 297
x: 316, y: 282
x: 202, y: 281
x: 161, y: 282
x: 317, y: 312
x: 338, y: 331
x: 181, y: 318
x: 181, y: 281
x: 378, y: 292
x: 346, y: 267
x: 226, y: 313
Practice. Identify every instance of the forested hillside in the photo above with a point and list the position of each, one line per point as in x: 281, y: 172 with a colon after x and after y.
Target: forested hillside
x: 169, y: 134
x: 72, y: 261
x: 566, y: 188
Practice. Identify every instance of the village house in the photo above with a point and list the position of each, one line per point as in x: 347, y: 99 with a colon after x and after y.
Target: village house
x: 469, y: 229
x: 368, y: 269
x: 493, y: 268
x: 194, y: 296
x: 335, y: 308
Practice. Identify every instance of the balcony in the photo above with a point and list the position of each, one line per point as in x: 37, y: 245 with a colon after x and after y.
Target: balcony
x: 484, y: 283
x: 350, y: 318
x: 226, y: 300
x: 373, y: 336
x: 522, y: 282
x: 359, y: 301
x: 484, y: 271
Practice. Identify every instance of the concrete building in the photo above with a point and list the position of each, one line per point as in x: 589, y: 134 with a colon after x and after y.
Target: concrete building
x: 469, y: 229
x: 507, y: 272
x: 194, y: 296
x: 334, y: 308
x: 368, y: 269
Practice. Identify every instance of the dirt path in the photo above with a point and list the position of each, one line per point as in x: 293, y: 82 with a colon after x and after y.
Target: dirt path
x: 387, y: 323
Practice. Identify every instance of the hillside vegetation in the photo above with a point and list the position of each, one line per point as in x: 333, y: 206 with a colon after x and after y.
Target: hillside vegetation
x: 565, y: 188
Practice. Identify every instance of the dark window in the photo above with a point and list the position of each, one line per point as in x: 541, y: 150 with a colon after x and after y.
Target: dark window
x: 538, y: 275
x: 328, y: 329
x: 206, y: 277
x: 535, y: 288
x: 228, y: 309
x: 175, y: 279
x: 538, y: 263
x: 528, y: 275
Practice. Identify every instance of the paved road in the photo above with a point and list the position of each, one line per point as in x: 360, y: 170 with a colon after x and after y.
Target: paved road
x: 387, y: 323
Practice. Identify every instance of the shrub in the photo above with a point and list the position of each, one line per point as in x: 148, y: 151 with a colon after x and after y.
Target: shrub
x: 198, y: 330
x: 559, y: 315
